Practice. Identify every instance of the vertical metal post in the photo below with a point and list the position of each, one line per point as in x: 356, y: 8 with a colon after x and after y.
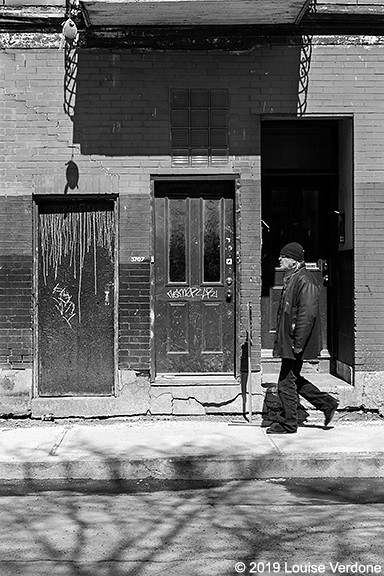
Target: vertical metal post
x: 249, y: 307
x: 249, y: 370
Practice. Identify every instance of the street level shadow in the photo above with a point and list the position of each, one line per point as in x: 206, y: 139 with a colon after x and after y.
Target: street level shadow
x: 119, y: 486
x: 198, y: 530
x: 354, y: 491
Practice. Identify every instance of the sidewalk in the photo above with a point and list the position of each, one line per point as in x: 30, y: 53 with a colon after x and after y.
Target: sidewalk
x: 182, y: 449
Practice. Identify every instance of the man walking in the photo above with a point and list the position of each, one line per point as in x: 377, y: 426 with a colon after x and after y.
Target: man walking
x: 298, y: 338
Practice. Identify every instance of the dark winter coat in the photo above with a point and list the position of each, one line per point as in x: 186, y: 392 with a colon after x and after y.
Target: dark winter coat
x: 298, y: 317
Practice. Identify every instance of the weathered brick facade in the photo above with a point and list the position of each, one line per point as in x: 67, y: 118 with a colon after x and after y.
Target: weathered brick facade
x: 119, y: 138
x: 345, y: 79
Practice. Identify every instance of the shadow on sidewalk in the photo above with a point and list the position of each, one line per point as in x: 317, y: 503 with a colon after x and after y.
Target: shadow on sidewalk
x: 156, y: 526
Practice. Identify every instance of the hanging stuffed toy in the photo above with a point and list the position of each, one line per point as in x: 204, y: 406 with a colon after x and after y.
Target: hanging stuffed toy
x: 69, y: 33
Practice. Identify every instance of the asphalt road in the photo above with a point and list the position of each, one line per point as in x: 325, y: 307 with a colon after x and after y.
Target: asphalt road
x: 155, y: 529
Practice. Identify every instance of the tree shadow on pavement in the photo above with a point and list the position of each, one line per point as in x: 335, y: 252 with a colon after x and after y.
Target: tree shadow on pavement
x: 155, y: 526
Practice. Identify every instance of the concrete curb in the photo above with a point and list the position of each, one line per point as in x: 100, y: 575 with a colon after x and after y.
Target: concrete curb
x: 200, y: 468
x: 188, y: 451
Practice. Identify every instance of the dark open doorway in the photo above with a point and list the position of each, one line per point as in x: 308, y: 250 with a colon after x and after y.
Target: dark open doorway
x: 307, y: 198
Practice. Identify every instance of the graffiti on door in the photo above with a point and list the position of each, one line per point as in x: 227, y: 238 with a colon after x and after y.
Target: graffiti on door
x: 204, y: 293
x: 73, y: 232
x: 76, y: 299
x: 64, y: 304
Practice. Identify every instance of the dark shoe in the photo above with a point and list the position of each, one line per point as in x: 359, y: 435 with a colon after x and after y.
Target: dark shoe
x: 269, y: 418
x: 266, y: 423
x: 329, y: 413
x: 279, y: 429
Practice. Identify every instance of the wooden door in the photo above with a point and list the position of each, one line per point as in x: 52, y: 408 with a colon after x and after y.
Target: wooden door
x: 195, y: 277
x: 76, y: 297
x: 296, y: 209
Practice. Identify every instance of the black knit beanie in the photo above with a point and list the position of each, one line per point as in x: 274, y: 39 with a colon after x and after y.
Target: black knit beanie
x: 293, y: 250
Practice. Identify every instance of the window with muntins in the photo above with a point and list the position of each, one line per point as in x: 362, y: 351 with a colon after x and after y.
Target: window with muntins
x: 199, y: 127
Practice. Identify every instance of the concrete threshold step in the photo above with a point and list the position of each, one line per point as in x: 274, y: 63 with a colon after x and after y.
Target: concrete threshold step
x: 273, y: 366
x: 195, y: 380
x: 318, y: 378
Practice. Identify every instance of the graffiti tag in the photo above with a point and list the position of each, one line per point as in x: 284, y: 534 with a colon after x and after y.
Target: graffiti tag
x: 64, y: 304
x: 198, y: 293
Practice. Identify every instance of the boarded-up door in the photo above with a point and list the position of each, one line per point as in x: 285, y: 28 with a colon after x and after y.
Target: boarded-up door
x: 195, y: 277
x: 76, y: 293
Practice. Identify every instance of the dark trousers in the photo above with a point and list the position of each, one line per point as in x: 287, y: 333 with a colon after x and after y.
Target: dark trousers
x: 290, y: 384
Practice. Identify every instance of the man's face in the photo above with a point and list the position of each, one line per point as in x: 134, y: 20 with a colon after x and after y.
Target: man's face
x: 286, y: 263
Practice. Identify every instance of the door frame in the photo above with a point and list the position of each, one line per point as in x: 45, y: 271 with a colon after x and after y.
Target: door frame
x: 37, y: 200
x: 345, y: 213
x: 235, y: 178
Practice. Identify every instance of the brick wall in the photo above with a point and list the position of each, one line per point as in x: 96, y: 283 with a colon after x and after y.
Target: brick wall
x: 347, y: 79
x: 135, y: 87
x: 134, y: 285
x: 134, y: 316
x: 119, y: 138
x: 15, y: 282
x: 250, y: 268
x: 131, y: 137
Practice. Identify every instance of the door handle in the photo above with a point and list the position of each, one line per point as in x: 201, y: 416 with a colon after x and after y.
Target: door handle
x: 229, y: 295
